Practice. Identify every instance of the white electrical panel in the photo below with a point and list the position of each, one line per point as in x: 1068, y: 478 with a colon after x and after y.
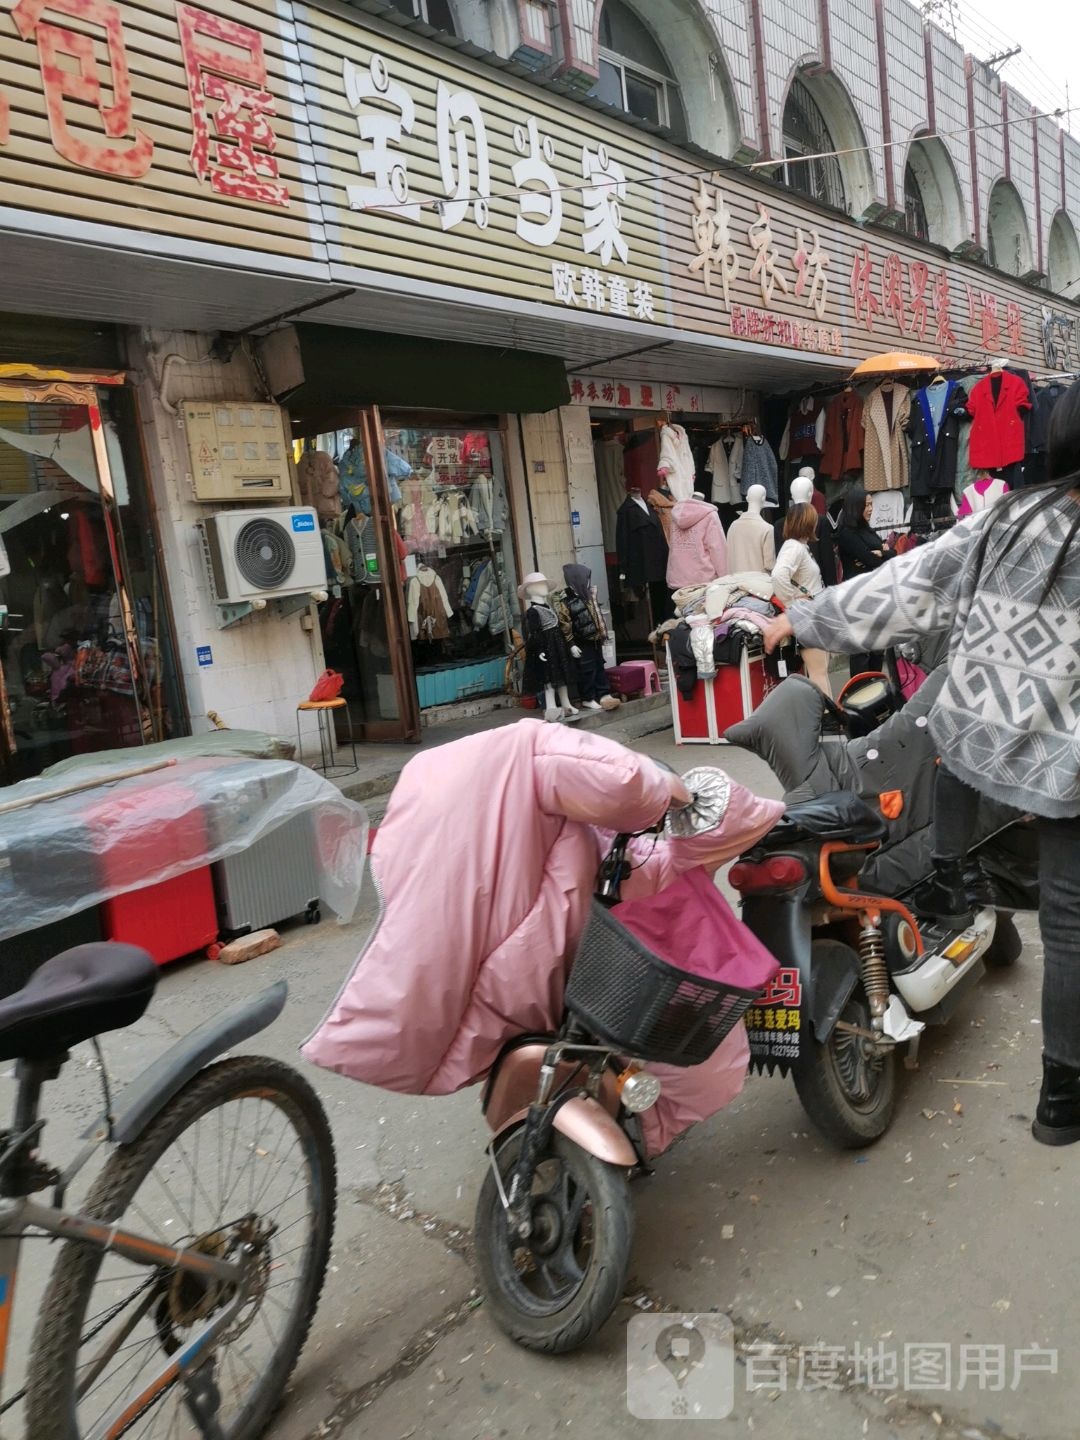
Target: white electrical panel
x: 239, y: 450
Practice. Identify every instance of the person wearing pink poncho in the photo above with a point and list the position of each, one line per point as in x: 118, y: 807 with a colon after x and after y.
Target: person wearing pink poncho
x: 486, y: 864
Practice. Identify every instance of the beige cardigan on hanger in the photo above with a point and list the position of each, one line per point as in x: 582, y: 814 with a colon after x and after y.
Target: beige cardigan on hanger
x: 885, y: 459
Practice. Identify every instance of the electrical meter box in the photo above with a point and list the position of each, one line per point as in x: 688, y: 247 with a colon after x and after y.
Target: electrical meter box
x: 238, y: 450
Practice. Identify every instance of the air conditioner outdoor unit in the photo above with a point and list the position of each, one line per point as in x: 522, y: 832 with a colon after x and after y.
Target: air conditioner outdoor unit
x: 260, y: 555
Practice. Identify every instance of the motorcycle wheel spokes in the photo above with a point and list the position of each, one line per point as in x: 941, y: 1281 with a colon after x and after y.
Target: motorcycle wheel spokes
x: 551, y: 1265
x: 855, y: 1062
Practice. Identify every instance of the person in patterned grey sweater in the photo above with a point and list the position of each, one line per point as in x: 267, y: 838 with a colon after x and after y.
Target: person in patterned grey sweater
x: 1004, y: 587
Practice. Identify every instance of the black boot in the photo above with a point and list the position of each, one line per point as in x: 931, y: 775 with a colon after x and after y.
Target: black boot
x: 1057, y: 1119
x: 944, y: 896
x: 978, y: 886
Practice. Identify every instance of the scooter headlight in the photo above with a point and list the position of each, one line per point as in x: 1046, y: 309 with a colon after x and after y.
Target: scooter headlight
x: 639, y: 1091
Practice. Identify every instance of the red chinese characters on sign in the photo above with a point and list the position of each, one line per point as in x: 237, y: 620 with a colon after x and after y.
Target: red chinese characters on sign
x: 945, y: 336
x: 867, y: 305
x: 918, y: 284
x: 769, y: 329
x: 892, y: 289
x: 577, y: 391
x: 228, y: 92
x: 73, y: 79
x: 1014, y: 327
x: 785, y: 988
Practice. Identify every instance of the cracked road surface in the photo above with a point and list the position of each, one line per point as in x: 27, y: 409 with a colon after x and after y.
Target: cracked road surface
x: 956, y: 1234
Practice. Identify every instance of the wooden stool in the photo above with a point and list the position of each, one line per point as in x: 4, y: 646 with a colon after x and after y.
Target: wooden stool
x: 323, y: 710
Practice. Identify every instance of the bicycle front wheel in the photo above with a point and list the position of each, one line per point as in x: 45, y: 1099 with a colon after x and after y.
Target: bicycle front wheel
x: 241, y: 1161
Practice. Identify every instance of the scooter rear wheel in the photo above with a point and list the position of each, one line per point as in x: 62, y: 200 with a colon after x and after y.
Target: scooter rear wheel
x: 848, y: 1091
x: 555, y: 1290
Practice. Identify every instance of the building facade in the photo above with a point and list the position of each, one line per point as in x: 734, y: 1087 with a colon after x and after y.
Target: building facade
x: 457, y: 243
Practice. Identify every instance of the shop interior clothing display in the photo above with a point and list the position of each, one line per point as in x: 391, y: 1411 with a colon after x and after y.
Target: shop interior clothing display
x: 724, y: 465
x: 450, y: 533
x: 925, y: 440
x: 86, y: 662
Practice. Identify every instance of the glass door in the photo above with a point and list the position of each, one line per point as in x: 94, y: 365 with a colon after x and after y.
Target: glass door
x: 343, y: 473
x: 74, y: 676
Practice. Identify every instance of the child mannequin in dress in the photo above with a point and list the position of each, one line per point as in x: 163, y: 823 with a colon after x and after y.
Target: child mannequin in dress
x: 547, y: 660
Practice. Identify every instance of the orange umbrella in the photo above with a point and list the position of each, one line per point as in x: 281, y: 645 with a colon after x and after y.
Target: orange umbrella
x: 896, y: 362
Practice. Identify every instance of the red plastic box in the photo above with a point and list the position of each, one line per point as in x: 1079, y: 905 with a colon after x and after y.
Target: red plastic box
x: 177, y: 917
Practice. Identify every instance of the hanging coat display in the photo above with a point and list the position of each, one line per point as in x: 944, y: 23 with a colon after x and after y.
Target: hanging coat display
x: 805, y: 433
x: 759, y: 468
x: 676, y: 463
x: 885, y: 461
x: 845, y: 437
x: 997, y: 408
x: 640, y: 545
x: 937, y: 415
x: 725, y: 467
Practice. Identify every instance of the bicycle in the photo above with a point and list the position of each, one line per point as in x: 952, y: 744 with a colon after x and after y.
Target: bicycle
x: 228, y: 1170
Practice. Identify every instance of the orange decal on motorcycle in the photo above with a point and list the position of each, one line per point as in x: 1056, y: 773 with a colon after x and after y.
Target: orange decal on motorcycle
x: 892, y: 804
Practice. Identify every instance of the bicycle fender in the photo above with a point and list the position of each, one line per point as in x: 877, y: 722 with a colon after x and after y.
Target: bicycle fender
x: 151, y: 1091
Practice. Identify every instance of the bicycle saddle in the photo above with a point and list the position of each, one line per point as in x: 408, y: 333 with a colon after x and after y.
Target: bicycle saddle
x: 76, y: 995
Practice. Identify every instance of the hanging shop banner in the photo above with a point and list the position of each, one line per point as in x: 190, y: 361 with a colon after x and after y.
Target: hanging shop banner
x: 170, y: 119
x: 602, y: 392
x: 435, y: 169
x: 753, y: 263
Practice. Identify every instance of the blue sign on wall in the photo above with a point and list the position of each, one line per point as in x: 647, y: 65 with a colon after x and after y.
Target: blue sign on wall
x: 575, y: 517
x: 204, y: 655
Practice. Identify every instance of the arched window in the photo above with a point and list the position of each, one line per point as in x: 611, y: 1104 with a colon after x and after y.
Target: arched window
x: 933, y: 201
x: 806, y: 133
x: 914, y: 207
x: 1063, y: 256
x: 634, y: 74
x: 1008, y: 237
x: 432, y: 12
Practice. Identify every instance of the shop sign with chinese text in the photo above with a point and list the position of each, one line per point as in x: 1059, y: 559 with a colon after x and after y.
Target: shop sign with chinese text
x: 435, y: 169
x: 168, y: 118
x: 762, y: 266
x: 326, y: 145
x: 604, y: 392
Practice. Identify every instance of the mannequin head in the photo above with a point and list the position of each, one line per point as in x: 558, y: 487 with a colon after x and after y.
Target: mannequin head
x: 802, y: 489
x: 698, y: 495
x: 534, y: 589
x: 755, y: 499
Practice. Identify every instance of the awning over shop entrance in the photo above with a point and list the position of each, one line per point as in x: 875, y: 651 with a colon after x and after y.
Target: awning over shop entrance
x: 344, y: 367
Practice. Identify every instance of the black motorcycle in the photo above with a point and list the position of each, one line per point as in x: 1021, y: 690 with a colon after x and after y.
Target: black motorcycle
x: 829, y: 891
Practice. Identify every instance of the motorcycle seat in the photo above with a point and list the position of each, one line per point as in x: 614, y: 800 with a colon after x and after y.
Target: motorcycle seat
x: 841, y: 816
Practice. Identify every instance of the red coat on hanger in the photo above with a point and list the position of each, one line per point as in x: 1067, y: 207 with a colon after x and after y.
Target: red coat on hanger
x: 996, y: 407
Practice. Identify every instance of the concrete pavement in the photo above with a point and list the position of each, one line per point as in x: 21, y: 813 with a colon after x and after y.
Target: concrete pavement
x: 955, y: 1231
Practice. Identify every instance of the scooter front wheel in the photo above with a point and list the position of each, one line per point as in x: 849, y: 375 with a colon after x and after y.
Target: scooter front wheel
x: 846, y: 1085
x: 554, y: 1290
